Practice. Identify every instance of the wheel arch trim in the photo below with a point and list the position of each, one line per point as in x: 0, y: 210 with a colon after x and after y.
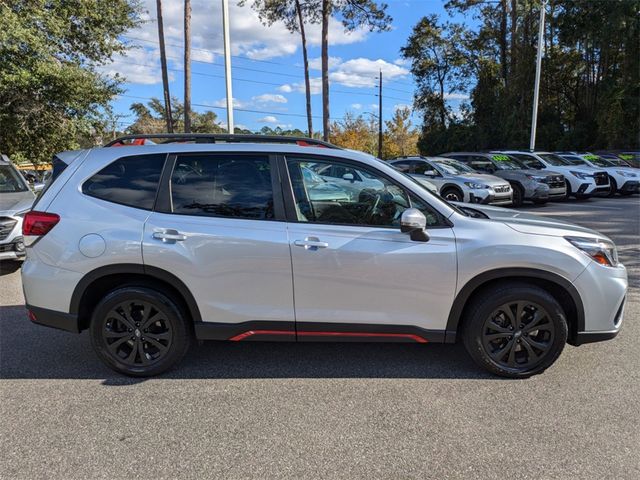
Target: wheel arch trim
x: 522, y: 273
x: 154, y: 273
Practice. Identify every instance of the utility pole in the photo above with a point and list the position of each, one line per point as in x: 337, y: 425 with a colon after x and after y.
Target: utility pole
x: 187, y: 66
x: 227, y: 64
x: 536, y: 88
x: 163, y: 65
x: 380, y: 116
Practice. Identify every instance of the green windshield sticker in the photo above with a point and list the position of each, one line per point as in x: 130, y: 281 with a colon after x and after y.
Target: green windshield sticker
x: 625, y: 156
x: 501, y: 158
x: 591, y: 157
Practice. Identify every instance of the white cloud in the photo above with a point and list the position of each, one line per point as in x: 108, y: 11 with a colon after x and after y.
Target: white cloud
x: 401, y: 106
x: 363, y: 72
x: 222, y: 103
x: 356, y: 106
x: 315, y: 85
x: 456, y: 96
x: 268, y: 119
x: 248, y: 35
x: 269, y: 98
x: 138, y: 65
x: 316, y: 63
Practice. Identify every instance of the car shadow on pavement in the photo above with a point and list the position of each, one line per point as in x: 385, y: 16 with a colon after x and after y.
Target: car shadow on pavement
x: 9, y: 267
x: 29, y: 351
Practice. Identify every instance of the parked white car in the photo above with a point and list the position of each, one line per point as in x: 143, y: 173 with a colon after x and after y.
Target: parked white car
x: 16, y: 199
x: 622, y: 180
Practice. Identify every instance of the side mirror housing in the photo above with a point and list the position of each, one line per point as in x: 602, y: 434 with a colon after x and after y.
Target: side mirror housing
x: 430, y: 173
x: 349, y: 177
x: 414, y: 223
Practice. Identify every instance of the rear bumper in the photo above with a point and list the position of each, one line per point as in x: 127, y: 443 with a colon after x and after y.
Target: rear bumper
x: 592, y: 337
x: 54, y: 319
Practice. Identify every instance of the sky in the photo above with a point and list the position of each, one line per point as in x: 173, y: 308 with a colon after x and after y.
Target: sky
x: 267, y: 72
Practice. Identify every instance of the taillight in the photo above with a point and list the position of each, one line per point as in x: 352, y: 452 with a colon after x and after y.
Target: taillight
x: 39, y: 223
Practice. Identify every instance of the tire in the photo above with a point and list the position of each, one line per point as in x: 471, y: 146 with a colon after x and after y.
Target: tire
x: 520, y: 350
x: 453, y: 195
x: 518, y: 195
x: 613, y: 187
x: 123, y: 341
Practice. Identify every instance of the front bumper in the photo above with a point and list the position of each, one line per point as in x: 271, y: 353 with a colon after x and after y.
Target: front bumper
x: 489, y: 197
x: 13, y: 250
x: 603, y: 291
x: 631, y: 186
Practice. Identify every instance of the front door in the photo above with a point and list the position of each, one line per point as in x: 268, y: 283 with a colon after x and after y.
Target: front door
x: 356, y: 276
x: 218, y: 229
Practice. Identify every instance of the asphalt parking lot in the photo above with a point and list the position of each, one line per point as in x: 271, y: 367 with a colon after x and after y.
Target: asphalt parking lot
x: 325, y: 410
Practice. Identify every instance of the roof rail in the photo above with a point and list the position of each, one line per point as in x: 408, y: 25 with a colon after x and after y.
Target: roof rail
x: 217, y: 138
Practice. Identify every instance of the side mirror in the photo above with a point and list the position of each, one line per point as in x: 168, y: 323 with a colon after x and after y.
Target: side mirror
x: 38, y: 187
x: 349, y: 177
x: 414, y: 223
x: 430, y: 173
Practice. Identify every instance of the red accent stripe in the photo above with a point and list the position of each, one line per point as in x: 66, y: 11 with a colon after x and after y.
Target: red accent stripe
x: 250, y: 333
x: 411, y: 336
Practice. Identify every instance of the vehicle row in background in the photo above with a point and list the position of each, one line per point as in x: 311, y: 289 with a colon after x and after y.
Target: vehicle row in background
x: 16, y: 199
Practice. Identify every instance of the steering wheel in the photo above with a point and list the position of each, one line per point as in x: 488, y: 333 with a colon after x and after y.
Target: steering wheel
x: 373, y: 209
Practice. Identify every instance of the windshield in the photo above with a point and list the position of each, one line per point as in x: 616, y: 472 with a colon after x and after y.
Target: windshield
x: 599, y: 161
x: 505, y: 162
x: 553, y: 159
x: 574, y: 160
x: 452, y: 167
x: 10, y: 181
x: 528, y: 161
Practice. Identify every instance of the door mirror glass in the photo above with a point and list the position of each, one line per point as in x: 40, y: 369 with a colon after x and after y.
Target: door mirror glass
x: 430, y: 173
x: 349, y: 177
x: 414, y: 223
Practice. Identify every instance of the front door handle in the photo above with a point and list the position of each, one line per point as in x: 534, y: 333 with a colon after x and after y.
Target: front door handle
x: 311, y: 243
x: 168, y: 235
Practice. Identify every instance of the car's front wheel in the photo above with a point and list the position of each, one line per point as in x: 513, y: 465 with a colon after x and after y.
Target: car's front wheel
x: 515, y: 330
x: 453, y: 195
x: 613, y: 187
x: 139, y: 332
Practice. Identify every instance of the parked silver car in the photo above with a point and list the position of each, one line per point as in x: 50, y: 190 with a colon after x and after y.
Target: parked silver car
x: 527, y: 184
x: 456, y: 181
x: 233, y: 247
x: 16, y: 199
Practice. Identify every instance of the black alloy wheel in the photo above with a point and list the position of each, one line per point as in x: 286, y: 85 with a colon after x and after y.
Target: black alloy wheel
x: 515, y: 329
x: 139, y: 332
x: 517, y: 335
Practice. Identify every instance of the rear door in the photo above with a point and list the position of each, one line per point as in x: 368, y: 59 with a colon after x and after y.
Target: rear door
x: 218, y: 226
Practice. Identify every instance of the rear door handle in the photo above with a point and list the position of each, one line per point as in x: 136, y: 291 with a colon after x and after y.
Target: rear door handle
x: 168, y: 235
x: 311, y: 243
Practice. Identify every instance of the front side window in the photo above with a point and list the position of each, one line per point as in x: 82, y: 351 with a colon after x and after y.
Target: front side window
x: 373, y: 200
x: 530, y: 161
x: 236, y: 186
x: 452, y: 167
x: 131, y: 181
x: 554, y: 160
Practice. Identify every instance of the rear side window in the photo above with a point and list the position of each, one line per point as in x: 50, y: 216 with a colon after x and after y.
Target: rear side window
x: 131, y: 181
x: 236, y: 186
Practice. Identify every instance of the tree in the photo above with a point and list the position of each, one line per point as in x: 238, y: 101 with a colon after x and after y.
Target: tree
x: 187, y: 66
x: 51, y: 90
x: 294, y: 14
x: 401, y: 137
x: 355, y: 133
x: 152, y: 118
x: 353, y: 14
x: 163, y: 65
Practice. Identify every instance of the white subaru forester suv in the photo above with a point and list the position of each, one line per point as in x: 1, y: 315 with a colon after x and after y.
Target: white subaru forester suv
x: 151, y: 247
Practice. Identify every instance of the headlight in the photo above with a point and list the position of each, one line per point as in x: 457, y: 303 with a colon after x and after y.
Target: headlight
x: 602, y: 251
x: 625, y: 174
x: 580, y: 175
x: 536, y: 178
x: 475, y: 185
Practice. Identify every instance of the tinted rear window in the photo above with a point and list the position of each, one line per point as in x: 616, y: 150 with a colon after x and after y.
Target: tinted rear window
x: 131, y: 181
x: 236, y: 186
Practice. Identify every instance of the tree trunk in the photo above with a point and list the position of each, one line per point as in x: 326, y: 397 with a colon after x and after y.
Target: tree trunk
x: 514, y: 37
x: 307, y: 84
x: 503, y: 39
x: 163, y: 64
x: 326, y: 15
x: 187, y: 66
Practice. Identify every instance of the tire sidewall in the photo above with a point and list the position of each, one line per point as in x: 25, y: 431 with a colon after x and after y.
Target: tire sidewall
x: 453, y: 191
x: 489, y: 302
x: 181, y: 334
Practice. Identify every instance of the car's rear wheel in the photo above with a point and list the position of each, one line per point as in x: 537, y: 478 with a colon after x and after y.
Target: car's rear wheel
x: 139, y: 332
x: 453, y: 195
x: 515, y: 330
